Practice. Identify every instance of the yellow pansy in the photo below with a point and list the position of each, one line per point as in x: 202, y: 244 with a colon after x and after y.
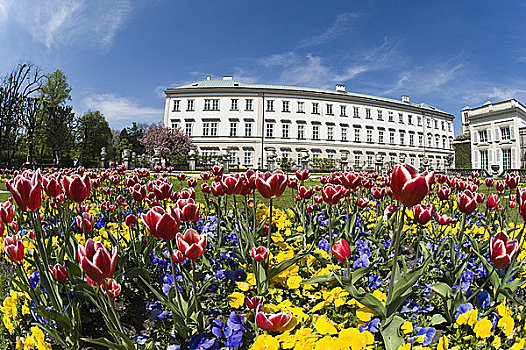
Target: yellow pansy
x: 443, y: 343
x: 469, y: 317
x: 325, y: 326
x: 404, y: 347
x: 265, y: 342
x: 506, y: 323
x: 407, y: 327
x: 236, y: 299
x: 364, y: 314
x: 496, y: 342
x: 519, y: 344
x: 293, y: 282
x: 482, y: 328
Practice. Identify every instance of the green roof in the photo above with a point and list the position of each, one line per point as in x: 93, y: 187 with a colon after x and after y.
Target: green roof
x: 235, y: 84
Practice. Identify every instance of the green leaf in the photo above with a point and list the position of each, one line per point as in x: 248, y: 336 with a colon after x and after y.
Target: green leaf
x: 282, y: 266
x: 105, y: 342
x: 437, y: 319
x: 391, y: 333
x: 320, y: 279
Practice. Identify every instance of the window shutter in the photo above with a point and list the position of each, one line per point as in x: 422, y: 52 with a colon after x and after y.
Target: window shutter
x: 476, y: 157
x: 489, y: 135
x: 490, y: 157
x: 513, y: 158
x: 512, y: 132
x: 475, y: 137
x: 497, y: 134
x: 498, y: 156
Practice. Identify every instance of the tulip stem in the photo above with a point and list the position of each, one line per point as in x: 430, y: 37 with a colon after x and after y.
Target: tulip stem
x: 170, y: 246
x: 330, y: 229
x: 269, y: 234
x: 395, y: 258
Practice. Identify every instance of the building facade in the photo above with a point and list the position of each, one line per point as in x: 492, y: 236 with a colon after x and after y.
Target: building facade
x: 252, y: 123
x: 498, y: 135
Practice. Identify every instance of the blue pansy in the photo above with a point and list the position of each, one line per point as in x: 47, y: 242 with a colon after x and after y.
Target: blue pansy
x: 374, y: 281
x: 363, y: 261
x: 140, y: 339
x: 462, y: 309
x: 428, y: 334
x: 220, y: 329
x: 324, y: 244
x: 202, y: 342
x: 236, y: 322
x: 371, y: 325
x: 483, y: 298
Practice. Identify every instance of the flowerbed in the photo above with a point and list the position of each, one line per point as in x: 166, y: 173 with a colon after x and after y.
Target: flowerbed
x: 396, y: 260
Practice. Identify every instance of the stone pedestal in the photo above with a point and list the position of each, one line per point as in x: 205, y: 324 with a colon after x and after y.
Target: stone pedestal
x: 191, y: 163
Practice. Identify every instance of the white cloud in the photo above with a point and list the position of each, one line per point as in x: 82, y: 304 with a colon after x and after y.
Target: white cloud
x: 120, y: 111
x: 59, y: 23
x: 340, y: 23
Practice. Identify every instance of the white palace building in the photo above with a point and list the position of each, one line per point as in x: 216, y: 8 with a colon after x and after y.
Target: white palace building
x: 250, y: 122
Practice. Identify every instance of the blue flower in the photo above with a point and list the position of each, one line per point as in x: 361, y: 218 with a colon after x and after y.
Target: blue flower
x: 361, y: 244
x: 371, y: 325
x: 484, y: 298
x: 468, y: 276
x: 363, y: 261
x: 238, y: 275
x: 374, y: 282
x: 34, y: 279
x: 173, y: 347
x: 428, y: 334
x: 202, y: 342
x: 236, y: 322
x: 140, y: 339
x: 220, y: 329
x: 324, y: 244
x: 235, y: 340
x: 463, y: 309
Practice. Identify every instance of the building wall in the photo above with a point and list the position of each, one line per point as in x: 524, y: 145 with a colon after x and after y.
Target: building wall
x: 359, y: 136
x: 494, y: 132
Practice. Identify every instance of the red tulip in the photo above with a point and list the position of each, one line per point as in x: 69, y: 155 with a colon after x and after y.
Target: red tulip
x: 59, y: 272
x: 85, y: 222
x: 96, y: 261
x: 489, y: 182
x: 444, y: 192
x: 27, y: 191
x: 217, y: 189
x: 500, y: 185
x: 310, y: 208
x: 77, y: 188
x: 205, y: 188
x: 408, y: 186
x: 511, y: 181
x: 318, y: 199
x: 305, y: 193
x: 253, y: 302
x: 302, y: 175
x: 332, y: 194
x: 271, y: 185
x: 205, y: 176
x: 14, y: 248
x: 131, y: 220
x: 260, y: 253
x: 191, y: 182
x: 378, y: 193
x: 138, y: 192
x: 161, y: 224
x: 443, y: 219
x: 480, y: 197
x: 7, y: 212
x: 177, y: 256
x: 2, y: 229
x: 493, y: 201
x: 273, y: 322
x: 218, y: 170
x: 188, y: 209
x: 232, y: 184
x: 512, y: 204
x: 181, y: 177
x: 502, y: 250
x: 351, y: 180
x: 362, y: 202
x: 111, y: 287
x: 162, y: 191
x: 422, y: 213
x: 341, y: 250
x: 466, y: 202
x: 52, y: 186
x: 191, y: 244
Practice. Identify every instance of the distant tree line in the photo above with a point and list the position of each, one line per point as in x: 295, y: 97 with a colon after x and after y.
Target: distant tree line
x: 38, y: 126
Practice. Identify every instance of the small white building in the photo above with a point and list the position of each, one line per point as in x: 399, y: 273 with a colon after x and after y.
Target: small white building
x: 496, y: 130
x: 253, y: 123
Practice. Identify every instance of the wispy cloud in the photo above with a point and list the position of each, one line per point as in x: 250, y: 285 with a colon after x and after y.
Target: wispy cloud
x: 340, y: 23
x: 64, y: 23
x: 121, y: 111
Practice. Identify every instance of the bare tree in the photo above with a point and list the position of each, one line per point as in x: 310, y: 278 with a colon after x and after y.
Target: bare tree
x: 22, y: 82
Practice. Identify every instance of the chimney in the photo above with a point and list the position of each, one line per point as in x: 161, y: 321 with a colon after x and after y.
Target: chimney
x: 340, y: 88
x: 405, y: 98
x: 227, y: 77
x: 208, y: 77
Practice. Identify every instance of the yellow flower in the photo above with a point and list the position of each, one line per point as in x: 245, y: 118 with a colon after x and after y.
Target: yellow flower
x: 483, y: 328
x: 519, y: 344
x: 364, y: 314
x: 407, y: 327
x: 236, y: 300
x: 380, y: 296
x: 327, y: 343
x: 502, y: 309
x: 443, y: 343
x: 356, y: 340
x: 404, y: 347
x: 496, y: 342
x: 469, y: 317
x: 293, y: 282
x: 265, y: 341
x: 506, y: 323
x: 325, y: 326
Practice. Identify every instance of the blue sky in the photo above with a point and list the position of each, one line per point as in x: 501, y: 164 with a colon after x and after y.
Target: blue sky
x: 120, y: 55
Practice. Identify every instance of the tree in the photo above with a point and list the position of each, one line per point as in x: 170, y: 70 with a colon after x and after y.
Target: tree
x: 170, y: 142
x: 58, y: 121
x: 93, y: 133
x: 462, y: 147
x: 16, y: 87
x: 31, y: 120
